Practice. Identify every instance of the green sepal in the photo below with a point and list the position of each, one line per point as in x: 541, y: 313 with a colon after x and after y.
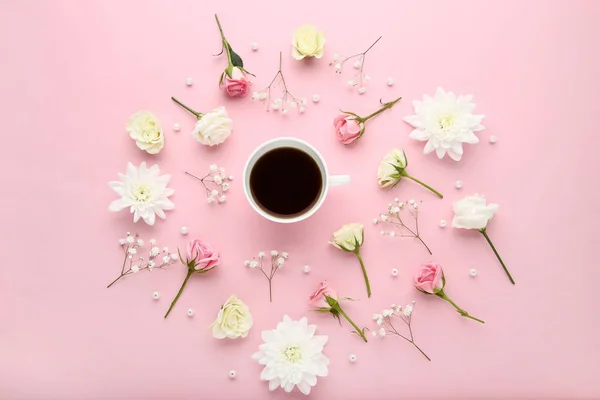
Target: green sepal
x: 236, y: 60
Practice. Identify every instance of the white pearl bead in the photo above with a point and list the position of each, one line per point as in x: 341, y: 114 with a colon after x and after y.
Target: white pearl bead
x: 306, y: 269
x: 156, y: 295
x: 442, y: 223
x: 493, y: 139
x: 352, y: 358
x: 176, y: 127
x: 392, y: 234
x: 473, y: 272
x: 301, y: 110
x: 232, y: 374
x: 254, y: 46
x: 394, y: 272
x: 184, y: 230
x: 190, y: 313
x: 316, y: 98
x: 390, y: 81
x: 458, y: 184
x: 362, y: 90
x: 189, y: 81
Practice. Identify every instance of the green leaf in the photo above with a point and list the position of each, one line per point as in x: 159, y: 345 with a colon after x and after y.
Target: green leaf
x: 236, y: 60
x: 221, y: 79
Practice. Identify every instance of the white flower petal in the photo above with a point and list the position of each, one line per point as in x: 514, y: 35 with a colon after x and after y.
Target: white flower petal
x: 419, y: 134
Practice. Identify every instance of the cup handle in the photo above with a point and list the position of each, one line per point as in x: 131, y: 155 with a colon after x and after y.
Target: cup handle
x: 338, y: 180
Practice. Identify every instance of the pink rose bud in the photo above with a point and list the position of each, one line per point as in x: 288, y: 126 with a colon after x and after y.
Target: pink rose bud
x: 238, y: 84
x: 203, y: 255
x: 317, y: 299
x: 430, y: 279
x: 347, y: 128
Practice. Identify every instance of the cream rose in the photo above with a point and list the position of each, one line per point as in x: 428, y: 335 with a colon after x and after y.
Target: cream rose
x: 308, y: 41
x: 213, y: 127
x: 473, y: 213
x: 349, y: 238
x: 390, y: 169
x: 146, y: 130
x: 233, y: 321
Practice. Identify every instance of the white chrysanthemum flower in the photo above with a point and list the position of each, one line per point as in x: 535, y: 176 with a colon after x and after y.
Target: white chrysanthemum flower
x: 445, y: 122
x: 292, y: 355
x: 144, y: 191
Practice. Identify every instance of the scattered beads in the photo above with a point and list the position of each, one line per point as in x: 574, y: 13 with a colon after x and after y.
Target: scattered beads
x: 189, y: 81
x: 390, y: 81
x: 232, y: 374
x: 306, y: 269
x: 352, y: 358
x: 176, y: 127
x: 316, y: 98
x: 442, y: 223
x: 394, y: 272
x: 254, y: 46
x: 493, y: 139
x: 473, y: 272
x: 156, y: 295
x: 458, y: 184
x: 190, y: 312
x: 362, y: 90
x: 184, y: 230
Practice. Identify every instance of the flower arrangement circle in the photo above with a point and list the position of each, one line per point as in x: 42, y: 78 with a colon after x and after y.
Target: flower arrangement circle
x: 350, y: 238
x: 201, y: 258
x: 146, y: 130
x: 233, y: 321
x: 393, y: 168
x: 144, y: 191
x: 292, y: 356
x: 349, y: 127
x: 430, y: 279
x: 308, y: 41
x: 472, y: 212
x: 445, y: 122
x: 326, y: 300
x: 234, y: 80
x: 212, y: 128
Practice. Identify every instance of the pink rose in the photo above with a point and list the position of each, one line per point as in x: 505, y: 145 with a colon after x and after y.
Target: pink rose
x: 317, y: 299
x: 430, y: 279
x: 238, y: 85
x: 203, y: 255
x: 347, y: 128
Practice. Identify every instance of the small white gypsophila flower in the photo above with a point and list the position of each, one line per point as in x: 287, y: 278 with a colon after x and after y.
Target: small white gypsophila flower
x: 375, y: 221
x: 135, y: 269
x: 274, y: 253
x: 140, y: 242
x: 214, y: 192
x: 174, y: 257
x: 132, y: 250
x: 218, y: 180
x: 122, y: 241
x: 374, y: 333
x: 225, y: 187
x: 247, y: 263
x: 222, y: 198
x: 165, y: 249
x: 280, y: 261
x: 387, y: 312
x: 261, y: 254
x: 380, y: 320
x: 151, y: 264
x: 253, y: 264
x: 210, y: 199
x: 407, y: 310
x: 382, y: 332
x: 152, y: 242
x: 213, y: 168
x: 285, y: 255
x: 375, y: 317
x: 154, y: 251
x: 166, y: 259
x: 130, y: 239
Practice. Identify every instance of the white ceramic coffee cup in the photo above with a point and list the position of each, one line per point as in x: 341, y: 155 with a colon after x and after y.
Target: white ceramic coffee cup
x: 287, y: 142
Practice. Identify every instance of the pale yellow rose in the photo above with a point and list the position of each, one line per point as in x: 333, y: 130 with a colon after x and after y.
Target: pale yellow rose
x: 233, y: 321
x: 146, y: 130
x: 349, y: 237
x: 308, y: 41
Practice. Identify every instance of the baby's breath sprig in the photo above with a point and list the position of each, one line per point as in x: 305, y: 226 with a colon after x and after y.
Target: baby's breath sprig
x: 359, y: 63
x: 399, y: 226
x: 219, y: 183
x: 386, y: 320
x: 277, y: 261
x: 287, y: 99
x: 134, y: 263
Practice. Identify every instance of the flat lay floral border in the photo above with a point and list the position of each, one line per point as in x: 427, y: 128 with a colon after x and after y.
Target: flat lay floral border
x: 292, y: 354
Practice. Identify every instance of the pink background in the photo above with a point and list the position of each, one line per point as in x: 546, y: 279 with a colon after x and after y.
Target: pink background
x: 73, y: 72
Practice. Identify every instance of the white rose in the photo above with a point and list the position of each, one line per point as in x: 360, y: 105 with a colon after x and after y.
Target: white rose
x: 146, y: 130
x: 308, y: 41
x: 388, y: 174
x: 213, y: 127
x: 472, y: 212
x: 349, y: 238
x: 234, y: 320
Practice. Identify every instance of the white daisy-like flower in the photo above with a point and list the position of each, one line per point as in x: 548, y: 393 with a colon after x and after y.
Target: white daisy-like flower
x: 144, y: 191
x: 292, y: 355
x: 445, y: 122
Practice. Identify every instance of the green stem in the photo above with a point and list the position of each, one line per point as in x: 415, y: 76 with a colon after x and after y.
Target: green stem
x: 356, y: 328
x: 497, y: 255
x: 460, y: 310
x: 196, y: 113
x: 441, y: 196
x: 190, y: 272
x: 225, y: 44
x: 387, y: 105
x: 364, y: 271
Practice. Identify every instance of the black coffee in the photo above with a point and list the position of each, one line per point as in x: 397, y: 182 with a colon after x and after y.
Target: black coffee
x: 286, y: 181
